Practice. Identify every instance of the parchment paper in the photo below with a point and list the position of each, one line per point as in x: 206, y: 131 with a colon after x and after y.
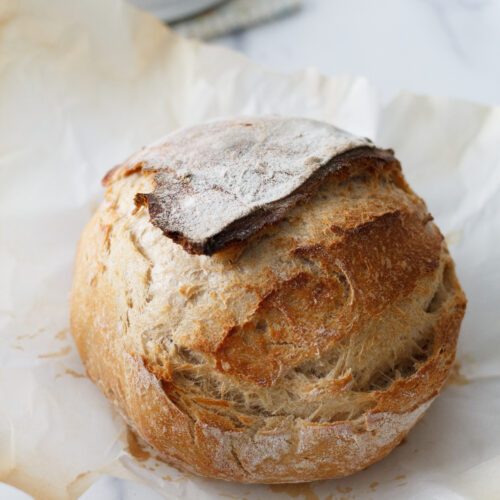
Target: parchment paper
x: 83, y: 85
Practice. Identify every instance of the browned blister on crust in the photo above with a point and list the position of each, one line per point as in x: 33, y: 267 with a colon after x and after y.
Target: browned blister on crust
x: 305, y: 352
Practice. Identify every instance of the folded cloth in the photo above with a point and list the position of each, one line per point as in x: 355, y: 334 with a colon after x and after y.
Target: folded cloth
x: 234, y: 15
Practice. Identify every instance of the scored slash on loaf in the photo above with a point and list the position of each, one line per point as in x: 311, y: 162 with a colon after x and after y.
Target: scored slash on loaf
x: 266, y: 300
x: 217, y: 183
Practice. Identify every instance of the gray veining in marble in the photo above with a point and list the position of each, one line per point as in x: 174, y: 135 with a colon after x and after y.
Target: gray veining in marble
x: 438, y: 47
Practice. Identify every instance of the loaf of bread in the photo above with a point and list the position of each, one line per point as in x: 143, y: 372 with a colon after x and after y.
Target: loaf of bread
x: 265, y: 300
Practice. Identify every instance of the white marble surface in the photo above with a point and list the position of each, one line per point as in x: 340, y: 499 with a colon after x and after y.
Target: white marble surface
x: 438, y: 47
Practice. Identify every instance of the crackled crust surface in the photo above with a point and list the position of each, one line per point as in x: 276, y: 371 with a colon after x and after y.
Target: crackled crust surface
x: 307, y: 352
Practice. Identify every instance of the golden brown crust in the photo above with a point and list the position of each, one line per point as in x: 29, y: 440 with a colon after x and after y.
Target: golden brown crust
x: 306, y: 353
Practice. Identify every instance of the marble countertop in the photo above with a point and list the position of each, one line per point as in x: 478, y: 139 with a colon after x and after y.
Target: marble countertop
x: 438, y: 47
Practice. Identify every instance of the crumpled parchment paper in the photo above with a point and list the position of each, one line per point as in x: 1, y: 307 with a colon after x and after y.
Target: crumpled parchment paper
x: 83, y: 85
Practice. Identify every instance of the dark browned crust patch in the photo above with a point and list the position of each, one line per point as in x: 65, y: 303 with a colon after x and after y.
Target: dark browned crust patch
x: 120, y: 171
x: 242, y: 229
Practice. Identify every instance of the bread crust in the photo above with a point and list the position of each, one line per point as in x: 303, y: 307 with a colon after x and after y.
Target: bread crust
x: 218, y: 183
x: 213, y: 359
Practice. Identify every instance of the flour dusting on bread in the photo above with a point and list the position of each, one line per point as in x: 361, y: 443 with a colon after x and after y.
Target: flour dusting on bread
x: 223, y: 181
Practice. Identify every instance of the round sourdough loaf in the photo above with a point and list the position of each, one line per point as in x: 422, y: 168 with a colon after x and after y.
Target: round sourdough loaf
x: 265, y: 300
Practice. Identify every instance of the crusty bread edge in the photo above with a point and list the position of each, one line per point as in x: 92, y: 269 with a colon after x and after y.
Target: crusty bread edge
x: 289, y: 450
